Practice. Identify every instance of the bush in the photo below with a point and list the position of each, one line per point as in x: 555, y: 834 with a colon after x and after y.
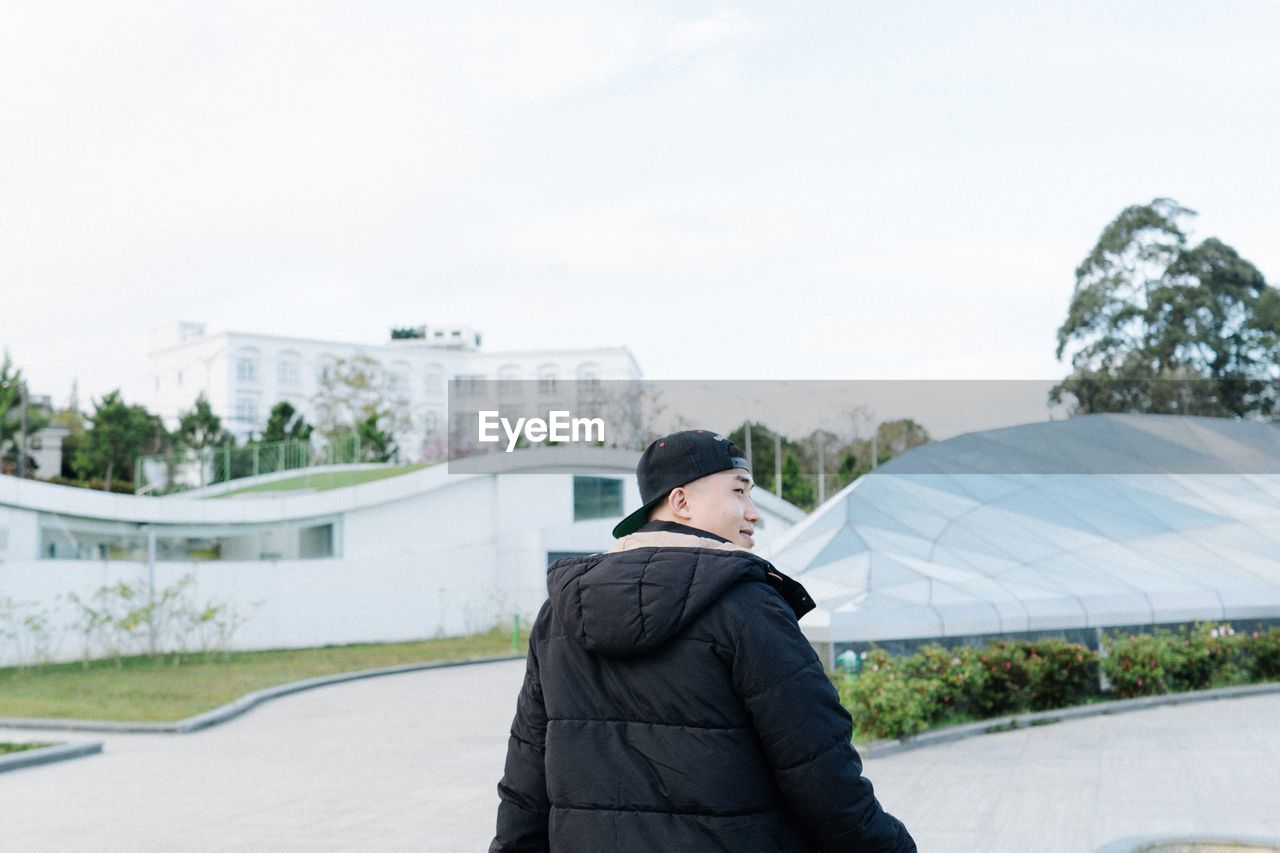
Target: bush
x: 122, y: 619
x: 1262, y: 654
x: 954, y: 678
x: 883, y: 701
x: 1139, y: 664
x: 1206, y: 655
x: 1007, y: 687
x: 1224, y: 658
x: 123, y: 487
x: 894, y: 697
x: 1061, y: 673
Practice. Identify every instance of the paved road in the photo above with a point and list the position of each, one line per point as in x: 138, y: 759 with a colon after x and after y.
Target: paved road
x: 409, y: 762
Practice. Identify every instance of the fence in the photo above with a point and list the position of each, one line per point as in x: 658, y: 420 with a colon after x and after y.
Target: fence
x: 165, y: 473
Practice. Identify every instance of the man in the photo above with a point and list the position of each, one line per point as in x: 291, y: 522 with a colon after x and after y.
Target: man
x: 670, y: 702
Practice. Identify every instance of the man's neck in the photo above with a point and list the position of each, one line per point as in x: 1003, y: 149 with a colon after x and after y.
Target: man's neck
x: 677, y: 527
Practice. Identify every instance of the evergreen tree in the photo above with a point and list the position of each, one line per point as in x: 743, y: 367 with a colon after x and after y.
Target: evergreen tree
x: 200, y: 427
x: 118, y: 434
x: 1157, y: 325
x: 286, y: 424
x: 796, y: 487
x: 376, y: 444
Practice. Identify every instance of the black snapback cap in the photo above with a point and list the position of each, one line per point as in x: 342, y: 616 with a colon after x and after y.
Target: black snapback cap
x: 676, y: 460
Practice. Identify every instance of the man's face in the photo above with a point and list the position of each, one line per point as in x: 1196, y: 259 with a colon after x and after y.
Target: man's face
x: 720, y: 503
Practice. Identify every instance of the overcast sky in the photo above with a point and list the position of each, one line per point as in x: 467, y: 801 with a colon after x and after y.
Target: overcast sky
x: 789, y: 191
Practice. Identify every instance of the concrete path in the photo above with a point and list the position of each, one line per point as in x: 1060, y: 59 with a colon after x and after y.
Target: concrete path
x: 409, y: 762
x: 404, y: 762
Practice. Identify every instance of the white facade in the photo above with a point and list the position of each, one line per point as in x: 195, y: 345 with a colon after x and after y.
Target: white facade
x: 243, y: 375
x: 45, y: 450
x: 419, y: 555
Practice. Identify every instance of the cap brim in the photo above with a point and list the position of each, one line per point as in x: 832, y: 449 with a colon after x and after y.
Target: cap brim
x: 636, y: 520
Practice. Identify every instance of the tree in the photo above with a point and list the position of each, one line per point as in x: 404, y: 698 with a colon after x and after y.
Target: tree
x: 352, y: 390
x: 796, y: 488
x: 376, y: 444
x: 200, y: 427
x: 763, y: 452
x: 1157, y: 326
x: 893, y: 438
x: 286, y: 423
x: 13, y: 400
x: 117, y: 435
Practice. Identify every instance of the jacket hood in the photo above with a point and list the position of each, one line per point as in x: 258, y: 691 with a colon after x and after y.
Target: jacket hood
x: 645, y: 590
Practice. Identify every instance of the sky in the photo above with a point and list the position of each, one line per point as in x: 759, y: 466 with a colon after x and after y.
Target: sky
x: 842, y: 190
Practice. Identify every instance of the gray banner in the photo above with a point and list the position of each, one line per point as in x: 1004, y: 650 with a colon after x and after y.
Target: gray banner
x: 842, y: 429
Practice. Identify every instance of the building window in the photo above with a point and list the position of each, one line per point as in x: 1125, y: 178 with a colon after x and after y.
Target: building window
x: 64, y: 537
x: 589, y: 374
x: 596, y: 497
x: 325, y: 370
x: 246, y: 369
x: 468, y: 384
x: 547, y: 379
x: 398, y: 378
x: 433, y: 382
x: 288, y: 372
x: 247, y: 409
x: 508, y: 381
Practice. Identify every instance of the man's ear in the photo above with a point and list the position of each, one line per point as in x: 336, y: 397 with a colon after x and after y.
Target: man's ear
x: 678, y: 503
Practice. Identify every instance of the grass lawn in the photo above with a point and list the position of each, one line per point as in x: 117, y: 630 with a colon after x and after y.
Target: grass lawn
x: 6, y: 748
x: 152, y: 690
x: 320, y: 480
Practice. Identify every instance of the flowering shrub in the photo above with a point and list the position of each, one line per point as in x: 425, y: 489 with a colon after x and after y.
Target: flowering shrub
x: 1139, y: 664
x: 1008, y: 680
x: 954, y: 677
x: 897, y: 696
x: 893, y: 697
x: 1061, y: 673
x: 883, y: 701
x: 1262, y: 654
x: 1207, y: 655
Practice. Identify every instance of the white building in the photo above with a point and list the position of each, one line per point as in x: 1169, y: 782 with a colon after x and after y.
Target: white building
x: 422, y: 554
x: 243, y: 375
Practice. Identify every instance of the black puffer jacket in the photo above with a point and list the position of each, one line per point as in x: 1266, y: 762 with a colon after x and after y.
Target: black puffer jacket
x: 672, y: 704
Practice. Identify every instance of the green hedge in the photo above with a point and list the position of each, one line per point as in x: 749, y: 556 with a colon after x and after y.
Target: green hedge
x: 123, y: 487
x: 1192, y: 659
x: 892, y: 697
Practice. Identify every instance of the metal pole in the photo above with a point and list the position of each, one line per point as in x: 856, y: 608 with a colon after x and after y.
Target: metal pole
x: 151, y: 588
x: 777, y: 464
x: 22, y: 442
x: 875, y: 448
x: 822, y: 467
x: 751, y: 462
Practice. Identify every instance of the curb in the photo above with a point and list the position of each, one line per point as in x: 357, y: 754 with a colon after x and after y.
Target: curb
x: 48, y: 755
x: 236, y: 707
x: 1139, y: 843
x: 879, y: 748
